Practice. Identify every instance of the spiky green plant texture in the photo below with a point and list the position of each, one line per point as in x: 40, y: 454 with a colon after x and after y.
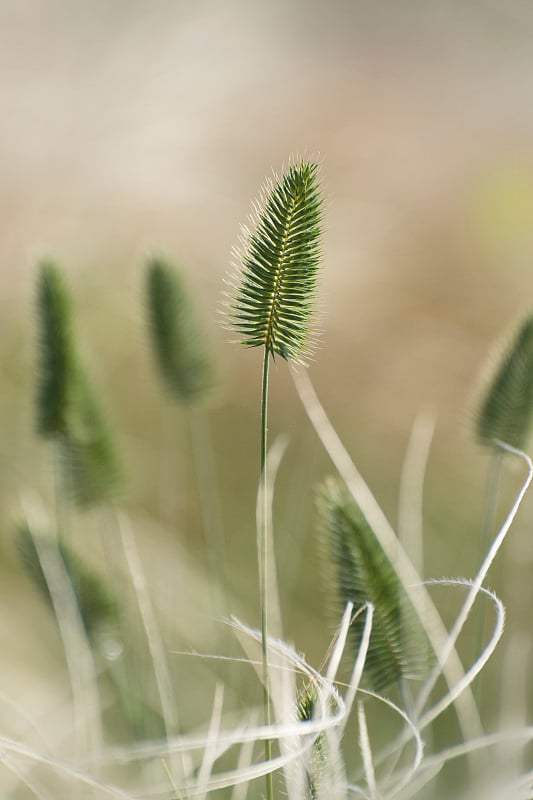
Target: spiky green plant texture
x: 96, y: 605
x: 178, y: 343
x: 56, y: 357
x: 275, y: 297
x: 507, y: 407
x: 66, y: 407
x: 360, y: 572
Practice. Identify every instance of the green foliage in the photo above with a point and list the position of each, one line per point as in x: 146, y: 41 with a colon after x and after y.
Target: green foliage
x: 274, y: 301
x: 179, y: 348
x: 507, y: 407
x: 361, y: 573
x: 66, y: 408
x: 56, y: 350
x: 96, y: 605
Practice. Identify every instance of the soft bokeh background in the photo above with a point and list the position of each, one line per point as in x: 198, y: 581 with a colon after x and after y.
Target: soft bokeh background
x: 131, y: 127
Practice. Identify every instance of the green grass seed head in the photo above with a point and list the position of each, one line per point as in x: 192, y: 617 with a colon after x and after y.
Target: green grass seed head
x: 56, y: 350
x: 276, y: 272
x: 179, y: 347
x: 506, y: 409
x: 66, y: 406
x: 360, y: 572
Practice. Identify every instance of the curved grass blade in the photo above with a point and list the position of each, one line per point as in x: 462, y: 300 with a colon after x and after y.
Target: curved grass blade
x: 96, y: 604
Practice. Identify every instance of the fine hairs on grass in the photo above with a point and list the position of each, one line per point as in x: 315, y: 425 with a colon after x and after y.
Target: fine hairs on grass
x: 272, y: 307
x: 373, y: 736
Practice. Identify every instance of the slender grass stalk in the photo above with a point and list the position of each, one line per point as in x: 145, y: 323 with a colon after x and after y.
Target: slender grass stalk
x: 185, y: 367
x: 493, y: 487
x: 272, y: 307
x: 263, y: 564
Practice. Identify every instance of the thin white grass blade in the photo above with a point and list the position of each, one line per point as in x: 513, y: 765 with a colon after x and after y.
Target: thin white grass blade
x: 449, y: 645
x: 22, y: 779
x: 359, y: 665
x: 340, y: 644
x: 240, y: 790
x: 399, y: 781
x: 331, y: 706
x: 467, y: 712
x: 410, y: 514
x: 210, y: 750
x: 22, y: 714
x: 366, y: 753
x: 470, y: 675
x: 78, y: 655
x: 151, y: 629
x: 63, y: 769
x: 274, y: 457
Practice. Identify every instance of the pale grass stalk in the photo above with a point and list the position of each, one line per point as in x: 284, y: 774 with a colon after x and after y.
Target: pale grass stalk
x: 359, y: 665
x: 78, y: 654
x: 22, y: 714
x: 452, y: 668
x: 451, y: 694
x: 470, y: 675
x: 21, y: 777
x: 433, y: 764
x: 413, y: 731
x: 410, y: 513
x: 263, y: 516
x: 366, y: 753
x: 151, y: 630
x: 332, y: 707
x: 240, y: 790
x: 449, y: 645
x: 63, y: 769
x: 211, y: 744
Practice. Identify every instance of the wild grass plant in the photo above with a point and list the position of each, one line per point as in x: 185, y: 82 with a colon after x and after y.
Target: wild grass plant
x: 365, y: 723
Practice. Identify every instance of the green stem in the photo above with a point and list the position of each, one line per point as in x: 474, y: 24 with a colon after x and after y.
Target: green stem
x: 263, y: 566
x: 493, y: 484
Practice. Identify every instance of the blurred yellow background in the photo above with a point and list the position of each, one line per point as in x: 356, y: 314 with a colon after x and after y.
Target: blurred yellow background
x: 129, y: 128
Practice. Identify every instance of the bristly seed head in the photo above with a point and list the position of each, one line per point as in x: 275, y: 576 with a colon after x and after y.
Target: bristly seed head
x: 273, y: 301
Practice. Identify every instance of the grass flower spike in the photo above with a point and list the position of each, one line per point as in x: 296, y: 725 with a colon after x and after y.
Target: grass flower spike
x: 360, y: 572
x: 507, y: 409
x: 274, y: 303
x: 273, y: 308
x: 178, y: 345
x: 67, y: 408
